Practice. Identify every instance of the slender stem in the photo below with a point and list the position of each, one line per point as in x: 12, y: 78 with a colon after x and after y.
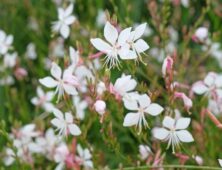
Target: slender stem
x: 171, y: 166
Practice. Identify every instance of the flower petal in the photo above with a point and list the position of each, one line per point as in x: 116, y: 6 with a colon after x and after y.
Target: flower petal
x: 199, y: 88
x: 144, y: 100
x: 74, y: 129
x: 58, y: 114
x: 182, y: 123
x: 68, y: 10
x: 141, y: 46
x: 110, y: 33
x: 154, y: 109
x: 139, y: 31
x: 69, y: 20
x: 124, y: 36
x: 168, y: 122
x: 160, y: 133
x: 64, y: 31
x: 68, y: 117
x: 100, y: 45
x: 70, y: 89
x: 48, y: 82
x: 184, y: 136
x: 56, y: 71
x: 131, y: 119
x: 57, y: 123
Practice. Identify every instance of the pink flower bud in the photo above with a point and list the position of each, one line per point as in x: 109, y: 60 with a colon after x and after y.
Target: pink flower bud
x: 186, y: 100
x: 100, y: 106
x: 20, y: 73
x: 167, y: 66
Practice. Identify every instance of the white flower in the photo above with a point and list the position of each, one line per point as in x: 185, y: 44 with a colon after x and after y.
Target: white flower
x: 101, y: 18
x: 43, y: 99
x: 137, y: 44
x: 10, y: 60
x: 80, y: 107
x: 116, y: 45
x: 66, y: 83
x: 5, y: 42
x: 85, y: 157
x: 10, y: 157
x: 100, y: 106
x: 209, y: 86
x: 60, y: 155
x: 145, y: 151
x: 174, y: 131
x: 123, y: 86
x: 201, y: 33
x: 65, y: 19
x: 65, y: 123
x: 31, y: 51
x: 141, y: 107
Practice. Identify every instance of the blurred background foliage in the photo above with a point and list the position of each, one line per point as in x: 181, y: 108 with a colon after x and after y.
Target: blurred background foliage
x: 113, y: 144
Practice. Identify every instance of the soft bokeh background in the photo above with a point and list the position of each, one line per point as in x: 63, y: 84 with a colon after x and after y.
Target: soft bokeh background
x: 30, y: 21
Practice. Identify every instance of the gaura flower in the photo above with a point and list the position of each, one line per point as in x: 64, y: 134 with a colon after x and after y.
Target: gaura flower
x: 137, y: 44
x: 43, y: 99
x: 80, y: 106
x: 64, y: 123
x: 5, y: 42
x: 10, y: 60
x: 65, y: 18
x: 174, y: 132
x: 116, y: 45
x: 123, y: 86
x: 140, y: 108
x: 85, y: 157
x: 63, y: 83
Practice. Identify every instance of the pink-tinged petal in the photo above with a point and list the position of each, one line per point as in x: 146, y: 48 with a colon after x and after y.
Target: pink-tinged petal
x: 124, y: 36
x: 74, y: 129
x: 199, y: 88
x: 57, y: 123
x: 101, y: 45
x: 68, y: 117
x: 139, y: 31
x: 64, y: 31
x: 48, y: 82
x: 168, y: 122
x: 160, y: 133
x: 144, y: 100
x: 141, y: 46
x: 70, y: 89
x: 154, y: 109
x: 184, y: 136
x: 131, y: 119
x: 68, y: 10
x: 58, y: 114
x: 110, y: 33
x: 56, y: 71
x: 182, y: 123
x: 69, y: 20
